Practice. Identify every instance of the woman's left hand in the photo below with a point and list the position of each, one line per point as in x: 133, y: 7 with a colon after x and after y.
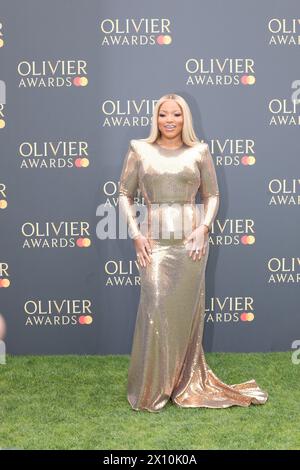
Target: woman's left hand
x: 197, y: 242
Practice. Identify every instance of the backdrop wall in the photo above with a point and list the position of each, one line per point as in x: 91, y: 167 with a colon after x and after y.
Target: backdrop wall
x: 78, y: 81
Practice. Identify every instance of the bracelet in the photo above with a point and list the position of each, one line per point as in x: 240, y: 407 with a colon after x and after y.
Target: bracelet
x: 207, y: 227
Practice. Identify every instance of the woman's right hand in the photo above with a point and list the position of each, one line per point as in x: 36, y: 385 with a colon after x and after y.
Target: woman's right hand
x: 143, y: 250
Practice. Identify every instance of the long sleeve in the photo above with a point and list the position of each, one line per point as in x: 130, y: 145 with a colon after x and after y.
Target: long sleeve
x: 127, y: 190
x: 209, y: 189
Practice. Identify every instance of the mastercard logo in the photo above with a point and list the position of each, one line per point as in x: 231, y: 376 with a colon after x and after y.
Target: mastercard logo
x: 248, y: 160
x: 80, y: 81
x: 164, y: 39
x: 248, y: 79
x: 85, y: 320
x: 83, y: 242
x: 2, y: 123
x: 248, y: 239
x: 4, y: 283
x: 247, y: 316
x: 82, y: 162
x: 3, y: 204
x: 1, y: 42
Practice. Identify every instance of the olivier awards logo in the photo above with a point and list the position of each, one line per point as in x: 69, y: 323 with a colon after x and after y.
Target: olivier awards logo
x: 127, y: 113
x: 231, y: 232
x: 135, y: 32
x: 121, y: 273
x: 4, y: 275
x: 283, y: 112
x: 66, y: 312
x: 284, y: 31
x: 56, y: 234
x: 233, y: 152
x: 110, y: 192
x: 52, y: 74
x: 284, y: 270
x: 219, y: 72
x: 284, y: 192
x: 230, y: 310
x: 59, y: 154
x: 3, y: 196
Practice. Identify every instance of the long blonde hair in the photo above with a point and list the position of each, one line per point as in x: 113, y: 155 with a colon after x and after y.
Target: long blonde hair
x: 188, y: 134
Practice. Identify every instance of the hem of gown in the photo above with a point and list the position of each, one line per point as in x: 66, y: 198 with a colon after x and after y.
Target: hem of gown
x: 219, y: 407
x: 216, y: 406
x: 147, y: 409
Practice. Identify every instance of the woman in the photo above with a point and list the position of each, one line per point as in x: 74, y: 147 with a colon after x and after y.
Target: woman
x: 167, y: 359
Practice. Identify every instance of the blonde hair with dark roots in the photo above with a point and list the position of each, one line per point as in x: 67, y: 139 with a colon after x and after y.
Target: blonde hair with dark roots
x: 188, y: 134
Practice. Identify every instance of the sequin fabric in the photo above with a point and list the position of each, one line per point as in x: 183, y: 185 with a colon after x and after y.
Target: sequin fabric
x: 167, y: 359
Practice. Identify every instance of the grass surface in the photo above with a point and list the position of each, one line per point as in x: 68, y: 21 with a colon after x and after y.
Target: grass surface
x: 79, y: 402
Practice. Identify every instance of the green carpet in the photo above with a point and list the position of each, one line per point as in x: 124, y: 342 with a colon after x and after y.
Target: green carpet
x: 79, y: 402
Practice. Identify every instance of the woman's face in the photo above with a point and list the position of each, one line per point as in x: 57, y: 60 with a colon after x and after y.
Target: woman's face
x: 170, y: 120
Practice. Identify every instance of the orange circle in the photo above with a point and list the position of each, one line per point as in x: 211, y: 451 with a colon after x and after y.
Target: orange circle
x: 5, y: 282
x: 167, y: 39
x: 86, y: 242
x: 88, y: 320
x: 85, y: 162
x: 251, y: 239
x: 83, y: 81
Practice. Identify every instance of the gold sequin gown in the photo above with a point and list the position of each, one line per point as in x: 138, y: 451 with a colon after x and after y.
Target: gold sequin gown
x: 167, y: 359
